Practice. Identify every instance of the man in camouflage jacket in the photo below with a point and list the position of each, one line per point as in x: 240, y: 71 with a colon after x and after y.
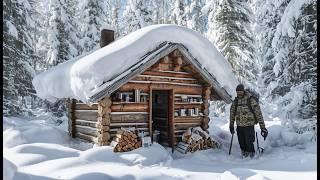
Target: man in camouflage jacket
x: 246, y: 117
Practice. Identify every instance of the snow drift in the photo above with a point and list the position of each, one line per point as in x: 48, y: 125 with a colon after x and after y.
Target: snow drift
x: 81, y: 77
x: 34, y: 154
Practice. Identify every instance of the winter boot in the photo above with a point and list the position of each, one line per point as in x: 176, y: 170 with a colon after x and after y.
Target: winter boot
x: 251, y: 154
x: 244, y: 154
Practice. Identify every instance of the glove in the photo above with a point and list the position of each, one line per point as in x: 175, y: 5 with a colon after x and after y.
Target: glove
x: 264, y: 133
x: 231, y: 128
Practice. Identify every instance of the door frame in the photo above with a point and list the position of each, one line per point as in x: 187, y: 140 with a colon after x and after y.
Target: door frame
x: 170, y: 112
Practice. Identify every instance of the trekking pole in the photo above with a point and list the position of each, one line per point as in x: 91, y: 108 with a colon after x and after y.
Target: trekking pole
x: 258, y: 148
x: 231, y: 144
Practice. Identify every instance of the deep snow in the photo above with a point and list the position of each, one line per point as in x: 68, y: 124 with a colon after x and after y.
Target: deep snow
x: 34, y: 149
x: 81, y: 78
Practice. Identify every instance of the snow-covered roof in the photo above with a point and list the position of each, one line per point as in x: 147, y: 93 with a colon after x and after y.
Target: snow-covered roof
x: 82, y: 78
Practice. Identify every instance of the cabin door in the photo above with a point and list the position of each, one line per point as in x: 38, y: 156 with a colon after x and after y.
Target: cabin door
x: 162, y: 116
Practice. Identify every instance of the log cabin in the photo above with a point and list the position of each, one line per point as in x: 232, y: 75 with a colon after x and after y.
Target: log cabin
x: 167, y: 93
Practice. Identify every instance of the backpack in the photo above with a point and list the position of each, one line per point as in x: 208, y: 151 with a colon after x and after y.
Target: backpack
x: 252, y: 94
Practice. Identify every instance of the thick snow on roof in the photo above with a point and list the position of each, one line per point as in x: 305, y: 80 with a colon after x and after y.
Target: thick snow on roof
x: 81, y: 77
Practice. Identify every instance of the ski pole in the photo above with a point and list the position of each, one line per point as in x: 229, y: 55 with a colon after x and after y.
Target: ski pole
x: 231, y: 144
x: 258, y: 148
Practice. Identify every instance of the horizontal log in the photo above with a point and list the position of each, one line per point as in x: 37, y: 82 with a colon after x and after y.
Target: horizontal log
x: 117, y: 118
x: 86, y: 137
x: 156, y: 79
x: 130, y: 107
x: 189, y: 95
x: 86, y: 123
x: 178, y: 81
x: 82, y: 106
x: 166, y: 83
x: 146, y: 87
x: 188, y: 123
x: 124, y: 113
x: 188, y: 90
x: 168, y: 73
x: 187, y: 105
x: 180, y: 126
x: 87, y: 130
x: 123, y: 102
x: 131, y: 86
x: 187, y: 118
x: 177, y: 121
x: 113, y: 131
x: 128, y: 124
x: 86, y: 114
x: 142, y: 76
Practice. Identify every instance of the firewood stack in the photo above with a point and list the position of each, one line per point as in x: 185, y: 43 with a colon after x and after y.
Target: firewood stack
x: 195, y: 139
x: 125, y: 140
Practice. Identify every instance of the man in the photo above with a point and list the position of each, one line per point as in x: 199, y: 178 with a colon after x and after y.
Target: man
x: 245, y: 110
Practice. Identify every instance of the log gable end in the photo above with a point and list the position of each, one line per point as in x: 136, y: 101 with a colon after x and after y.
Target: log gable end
x: 132, y: 103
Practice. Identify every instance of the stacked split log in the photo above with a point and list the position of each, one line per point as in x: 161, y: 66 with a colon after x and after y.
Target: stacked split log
x: 206, y: 119
x: 195, y: 139
x: 103, y: 122
x: 125, y: 140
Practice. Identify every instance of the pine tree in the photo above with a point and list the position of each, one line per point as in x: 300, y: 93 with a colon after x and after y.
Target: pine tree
x: 230, y: 28
x: 114, y: 17
x: 295, y: 65
x: 92, y: 17
x: 18, y: 71
x: 178, y: 15
x: 56, y: 41
x: 60, y: 33
x: 267, y: 18
x: 138, y: 14
x: 196, y: 20
x: 288, y: 51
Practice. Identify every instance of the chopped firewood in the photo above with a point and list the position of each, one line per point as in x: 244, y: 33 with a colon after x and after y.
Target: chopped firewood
x: 126, y: 140
x: 195, y: 139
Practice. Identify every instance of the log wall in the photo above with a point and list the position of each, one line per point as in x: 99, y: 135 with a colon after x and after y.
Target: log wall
x: 71, y: 117
x: 100, y: 121
x: 85, y: 120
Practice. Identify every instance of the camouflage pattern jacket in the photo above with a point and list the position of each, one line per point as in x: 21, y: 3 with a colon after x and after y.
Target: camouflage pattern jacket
x: 243, y: 116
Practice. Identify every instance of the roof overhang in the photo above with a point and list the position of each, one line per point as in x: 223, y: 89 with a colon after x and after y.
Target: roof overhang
x: 147, y: 61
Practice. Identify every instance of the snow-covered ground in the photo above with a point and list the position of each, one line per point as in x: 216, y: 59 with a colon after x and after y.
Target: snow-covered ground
x: 36, y: 149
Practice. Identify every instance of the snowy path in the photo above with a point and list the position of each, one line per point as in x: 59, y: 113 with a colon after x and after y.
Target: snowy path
x: 36, y: 151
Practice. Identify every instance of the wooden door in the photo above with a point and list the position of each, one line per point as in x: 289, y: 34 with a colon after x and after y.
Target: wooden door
x: 171, y: 119
x: 161, y: 115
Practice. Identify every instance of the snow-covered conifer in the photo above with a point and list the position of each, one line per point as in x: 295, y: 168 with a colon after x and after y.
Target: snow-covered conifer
x: 230, y: 29
x: 138, y: 14
x: 18, y: 53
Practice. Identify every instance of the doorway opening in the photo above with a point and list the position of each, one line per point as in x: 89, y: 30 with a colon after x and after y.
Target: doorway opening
x: 162, y: 120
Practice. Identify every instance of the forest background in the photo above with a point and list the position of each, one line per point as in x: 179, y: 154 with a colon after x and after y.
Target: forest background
x: 270, y: 44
